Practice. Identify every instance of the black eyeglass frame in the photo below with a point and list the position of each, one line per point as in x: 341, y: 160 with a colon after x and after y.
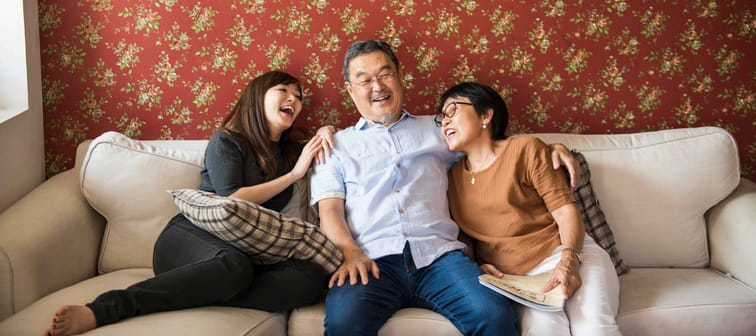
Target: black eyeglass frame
x: 440, y: 116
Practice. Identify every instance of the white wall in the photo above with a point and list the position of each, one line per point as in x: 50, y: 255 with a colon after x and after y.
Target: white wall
x: 13, y: 76
x: 22, y: 152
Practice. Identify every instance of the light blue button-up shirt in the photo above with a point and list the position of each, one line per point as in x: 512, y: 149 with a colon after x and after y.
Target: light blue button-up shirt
x: 393, y: 180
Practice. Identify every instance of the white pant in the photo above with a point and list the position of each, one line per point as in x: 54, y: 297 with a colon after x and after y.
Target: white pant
x: 592, y: 308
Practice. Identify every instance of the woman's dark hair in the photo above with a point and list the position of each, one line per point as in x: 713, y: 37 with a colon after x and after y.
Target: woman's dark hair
x: 364, y: 47
x: 483, y: 97
x: 247, y: 123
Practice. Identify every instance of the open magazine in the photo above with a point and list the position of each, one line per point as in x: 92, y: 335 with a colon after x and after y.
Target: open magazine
x: 526, y: 289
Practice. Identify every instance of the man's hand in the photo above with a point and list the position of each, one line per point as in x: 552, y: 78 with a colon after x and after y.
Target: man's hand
x: 355, y: 264
x: 561, y: 156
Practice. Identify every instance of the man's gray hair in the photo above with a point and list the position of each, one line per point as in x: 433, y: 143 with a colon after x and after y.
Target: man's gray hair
x: 364, y: 47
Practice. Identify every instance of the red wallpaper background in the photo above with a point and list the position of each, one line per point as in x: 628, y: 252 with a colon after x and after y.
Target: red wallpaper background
x: 171, y: 69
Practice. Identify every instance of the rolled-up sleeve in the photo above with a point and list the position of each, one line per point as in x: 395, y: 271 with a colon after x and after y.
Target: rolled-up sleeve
x: 327, y: 181
x: 551, y: 184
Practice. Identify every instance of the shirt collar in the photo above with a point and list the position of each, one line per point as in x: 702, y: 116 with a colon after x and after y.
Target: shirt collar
x: 364, y: 124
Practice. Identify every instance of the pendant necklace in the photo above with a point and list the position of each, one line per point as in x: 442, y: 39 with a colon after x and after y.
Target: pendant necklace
x: 473, y: 172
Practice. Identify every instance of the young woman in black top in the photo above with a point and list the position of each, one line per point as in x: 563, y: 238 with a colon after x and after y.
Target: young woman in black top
x: 251, y: 157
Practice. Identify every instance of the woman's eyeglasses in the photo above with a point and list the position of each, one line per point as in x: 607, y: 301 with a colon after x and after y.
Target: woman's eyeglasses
x: 448, y: 111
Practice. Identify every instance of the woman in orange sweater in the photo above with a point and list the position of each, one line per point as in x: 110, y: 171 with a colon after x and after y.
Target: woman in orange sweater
x: 521, y: 214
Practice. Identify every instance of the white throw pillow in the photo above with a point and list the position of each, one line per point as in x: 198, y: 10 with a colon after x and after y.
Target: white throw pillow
x: 655, y: 187
x: 125, y: 180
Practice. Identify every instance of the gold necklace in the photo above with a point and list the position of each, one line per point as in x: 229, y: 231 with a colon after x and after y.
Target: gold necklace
x: 474, y: 171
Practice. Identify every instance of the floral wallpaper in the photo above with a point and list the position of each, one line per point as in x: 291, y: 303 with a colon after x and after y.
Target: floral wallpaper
x: 171, y: 69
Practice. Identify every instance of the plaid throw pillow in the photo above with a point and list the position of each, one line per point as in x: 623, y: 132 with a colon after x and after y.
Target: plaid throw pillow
x: 267, y: 236
x: 593, y: 217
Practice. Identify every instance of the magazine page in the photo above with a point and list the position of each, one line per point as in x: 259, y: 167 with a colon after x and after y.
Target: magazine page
x: 526, y: 290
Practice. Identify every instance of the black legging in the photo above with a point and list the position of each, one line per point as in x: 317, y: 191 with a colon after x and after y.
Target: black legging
x: 195, y: 268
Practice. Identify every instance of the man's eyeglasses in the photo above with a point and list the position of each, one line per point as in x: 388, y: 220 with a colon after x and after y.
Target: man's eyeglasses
x: 448, y: 111
x: 380, y: 78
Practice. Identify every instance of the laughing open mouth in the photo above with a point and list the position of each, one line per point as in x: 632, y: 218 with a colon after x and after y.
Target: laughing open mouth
x: 288, y: 110
x: 381, y: 98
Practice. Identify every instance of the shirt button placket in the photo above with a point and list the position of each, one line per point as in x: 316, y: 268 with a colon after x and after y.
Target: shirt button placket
x: 397, y: 181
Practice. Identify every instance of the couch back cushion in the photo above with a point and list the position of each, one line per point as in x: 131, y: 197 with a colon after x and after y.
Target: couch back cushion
x: 126, y: 180
x: 655, y: 187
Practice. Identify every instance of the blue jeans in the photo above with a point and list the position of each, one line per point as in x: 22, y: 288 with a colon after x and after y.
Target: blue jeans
x: 448, y: 286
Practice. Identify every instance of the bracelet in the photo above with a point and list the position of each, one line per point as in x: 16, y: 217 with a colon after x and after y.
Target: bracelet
x: 574, y: 251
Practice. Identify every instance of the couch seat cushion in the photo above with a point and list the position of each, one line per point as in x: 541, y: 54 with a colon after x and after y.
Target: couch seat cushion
x: 308, y: 321
x: 656, y: 301
x: 35, y: 319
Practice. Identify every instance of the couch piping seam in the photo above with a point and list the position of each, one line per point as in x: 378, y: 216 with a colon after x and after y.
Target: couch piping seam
x: 141, y: 151
x: 639, y: 311
x: 689, y: 137
x: 736, y: 280
x: 270, y: 316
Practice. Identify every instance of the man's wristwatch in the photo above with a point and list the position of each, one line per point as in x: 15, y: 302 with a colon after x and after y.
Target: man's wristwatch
x: 578, y: 255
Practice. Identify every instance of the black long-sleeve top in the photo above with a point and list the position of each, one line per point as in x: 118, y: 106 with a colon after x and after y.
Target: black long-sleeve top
x: 230, y: 164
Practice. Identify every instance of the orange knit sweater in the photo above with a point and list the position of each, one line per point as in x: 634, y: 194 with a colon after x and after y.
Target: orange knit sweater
x: 508, y: 209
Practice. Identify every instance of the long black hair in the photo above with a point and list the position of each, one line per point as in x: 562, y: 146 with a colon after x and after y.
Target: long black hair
x: 247, y: 123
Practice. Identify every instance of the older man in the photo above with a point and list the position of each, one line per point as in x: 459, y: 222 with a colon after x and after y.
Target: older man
x: 382, y: 201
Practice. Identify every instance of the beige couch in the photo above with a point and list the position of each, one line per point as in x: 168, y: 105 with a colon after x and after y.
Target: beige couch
x: 682, y: 217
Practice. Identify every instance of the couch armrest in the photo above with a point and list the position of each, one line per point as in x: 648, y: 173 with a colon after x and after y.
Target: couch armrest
x: 49, y: 239
x: 732, y: 233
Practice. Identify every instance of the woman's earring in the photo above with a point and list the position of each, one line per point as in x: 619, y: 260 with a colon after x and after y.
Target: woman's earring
x: 485, y: 125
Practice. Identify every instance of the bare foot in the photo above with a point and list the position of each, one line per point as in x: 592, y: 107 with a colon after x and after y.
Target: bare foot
x: 72, y: 320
